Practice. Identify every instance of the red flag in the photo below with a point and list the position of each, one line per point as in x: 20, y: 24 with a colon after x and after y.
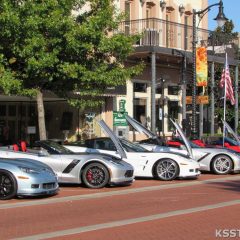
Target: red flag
x: 226, y: 79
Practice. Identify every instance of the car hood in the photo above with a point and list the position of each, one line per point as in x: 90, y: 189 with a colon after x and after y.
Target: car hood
x: 140, y: 128
x: 21, y: 162
x: 114, y: 138
x: 230, y: 130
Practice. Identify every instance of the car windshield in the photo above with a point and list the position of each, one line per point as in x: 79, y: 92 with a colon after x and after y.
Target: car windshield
x: 132, y: 147
x: 194, y: 145
x: 231, y: 141
x: 54, y: 148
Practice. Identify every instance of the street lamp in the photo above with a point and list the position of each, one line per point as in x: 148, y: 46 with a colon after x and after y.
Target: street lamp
x: 221, y: 19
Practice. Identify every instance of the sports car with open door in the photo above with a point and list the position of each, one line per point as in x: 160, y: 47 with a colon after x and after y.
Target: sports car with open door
x: 163, y: 165
x: 217, y: 160
x: 93, y: 170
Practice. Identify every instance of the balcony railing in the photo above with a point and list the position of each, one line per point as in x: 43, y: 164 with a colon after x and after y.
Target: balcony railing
x: 158, y: 32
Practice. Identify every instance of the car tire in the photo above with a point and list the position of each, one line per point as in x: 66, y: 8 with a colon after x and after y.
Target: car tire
x: 95, y: 175
x: 8, y: 185
x: 222, y: 164
x: 166, y: 170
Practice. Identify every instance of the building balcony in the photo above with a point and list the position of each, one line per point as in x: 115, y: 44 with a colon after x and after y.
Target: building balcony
x: 166, y: 34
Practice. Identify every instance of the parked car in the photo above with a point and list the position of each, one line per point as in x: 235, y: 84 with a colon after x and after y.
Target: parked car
x: 217, y: 160
x: 26, y: 177
x: 94, y: 170
x: 163, y: 166
x: 230, y: 140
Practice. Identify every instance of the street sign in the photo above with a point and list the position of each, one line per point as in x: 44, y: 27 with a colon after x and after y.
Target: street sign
x: 90, y: 116
x: 119, y: 118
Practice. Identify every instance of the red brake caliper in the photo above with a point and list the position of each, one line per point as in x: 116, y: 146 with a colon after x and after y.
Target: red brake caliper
x: 89, y: 175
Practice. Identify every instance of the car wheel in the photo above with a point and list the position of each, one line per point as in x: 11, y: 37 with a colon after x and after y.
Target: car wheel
x: 95, y: 175
x: 8, y: 185
x: 222, y: 164
x: 166, y: 169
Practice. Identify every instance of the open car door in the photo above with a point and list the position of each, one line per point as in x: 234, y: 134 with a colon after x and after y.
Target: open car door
x: 141, y: 129
x: 113, y: 137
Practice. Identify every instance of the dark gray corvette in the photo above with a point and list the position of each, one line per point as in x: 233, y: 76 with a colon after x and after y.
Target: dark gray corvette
x: 26, y: 177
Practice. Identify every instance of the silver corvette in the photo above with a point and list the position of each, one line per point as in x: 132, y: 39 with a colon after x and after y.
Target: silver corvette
x: 165, y: 165
x: 217, y: 160
x: 94, y: 170
x: 26, y: 178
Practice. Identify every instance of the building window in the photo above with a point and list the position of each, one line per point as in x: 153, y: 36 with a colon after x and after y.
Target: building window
x: 140, y: 110
x: 140, y: 87
x: 22, y: 110
x: 173, y: 90
x: 173, y: 110
x: 12, y: 110
x: 2, y: 110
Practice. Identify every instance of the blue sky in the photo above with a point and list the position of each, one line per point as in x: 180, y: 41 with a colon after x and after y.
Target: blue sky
x: 231, y: 11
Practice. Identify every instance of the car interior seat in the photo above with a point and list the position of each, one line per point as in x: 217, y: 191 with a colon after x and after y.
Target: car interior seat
x: 23, y: 146
x: 15, y: 147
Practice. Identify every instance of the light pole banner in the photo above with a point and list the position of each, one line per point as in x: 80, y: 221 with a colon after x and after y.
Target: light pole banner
x: 201, y: 67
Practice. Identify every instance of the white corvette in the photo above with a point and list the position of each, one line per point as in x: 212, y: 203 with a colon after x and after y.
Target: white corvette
x: 217, y: 160
x: 163, y: 166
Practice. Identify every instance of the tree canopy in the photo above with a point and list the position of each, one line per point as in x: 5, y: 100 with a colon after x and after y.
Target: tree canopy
x: 63, y: 46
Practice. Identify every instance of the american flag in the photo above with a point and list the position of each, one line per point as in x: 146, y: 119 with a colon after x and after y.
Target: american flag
x: 226, y: 79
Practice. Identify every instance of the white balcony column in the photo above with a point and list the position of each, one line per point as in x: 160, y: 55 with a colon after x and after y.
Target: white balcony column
x: 153, y: 92
x: 129, y: 98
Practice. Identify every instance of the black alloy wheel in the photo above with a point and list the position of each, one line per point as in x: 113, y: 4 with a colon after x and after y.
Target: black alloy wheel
x: 166, y: 169
x: 95, y: 175
x: 8, y: 185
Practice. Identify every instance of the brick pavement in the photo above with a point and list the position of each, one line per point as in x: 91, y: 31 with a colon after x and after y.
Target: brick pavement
x: 52, y: 218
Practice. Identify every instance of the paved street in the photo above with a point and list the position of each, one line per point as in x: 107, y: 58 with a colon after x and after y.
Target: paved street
x: 149, y: 209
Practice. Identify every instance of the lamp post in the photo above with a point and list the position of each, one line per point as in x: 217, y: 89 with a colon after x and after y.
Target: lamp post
x: 221, y: 19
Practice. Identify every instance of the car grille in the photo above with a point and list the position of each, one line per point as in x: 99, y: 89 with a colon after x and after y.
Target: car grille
x: 48, y: 185
x: 129, y: 173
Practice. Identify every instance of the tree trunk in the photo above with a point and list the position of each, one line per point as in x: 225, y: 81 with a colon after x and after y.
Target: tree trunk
x: 41, y: 116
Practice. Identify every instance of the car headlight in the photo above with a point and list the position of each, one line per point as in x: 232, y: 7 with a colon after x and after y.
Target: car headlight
x: 29, y: 170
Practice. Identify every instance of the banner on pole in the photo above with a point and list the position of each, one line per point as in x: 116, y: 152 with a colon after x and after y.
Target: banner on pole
x: 201, y: 67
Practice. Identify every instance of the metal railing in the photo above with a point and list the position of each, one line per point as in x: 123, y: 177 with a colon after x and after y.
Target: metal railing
x: 158, y: 32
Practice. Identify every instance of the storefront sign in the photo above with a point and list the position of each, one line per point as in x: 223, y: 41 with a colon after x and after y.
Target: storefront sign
x: 199, y: 100
x: 119, y: 118
x: 31, y: 130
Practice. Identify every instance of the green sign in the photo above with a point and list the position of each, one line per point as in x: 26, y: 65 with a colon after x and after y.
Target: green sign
x: 119, y: 119
x: 122, y: 104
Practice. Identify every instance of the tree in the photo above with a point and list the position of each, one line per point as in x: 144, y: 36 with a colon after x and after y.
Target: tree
x: 63, y: 46
x: 224, y: 36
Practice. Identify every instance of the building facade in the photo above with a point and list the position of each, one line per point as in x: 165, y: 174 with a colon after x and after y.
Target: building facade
x: 151, y: 98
